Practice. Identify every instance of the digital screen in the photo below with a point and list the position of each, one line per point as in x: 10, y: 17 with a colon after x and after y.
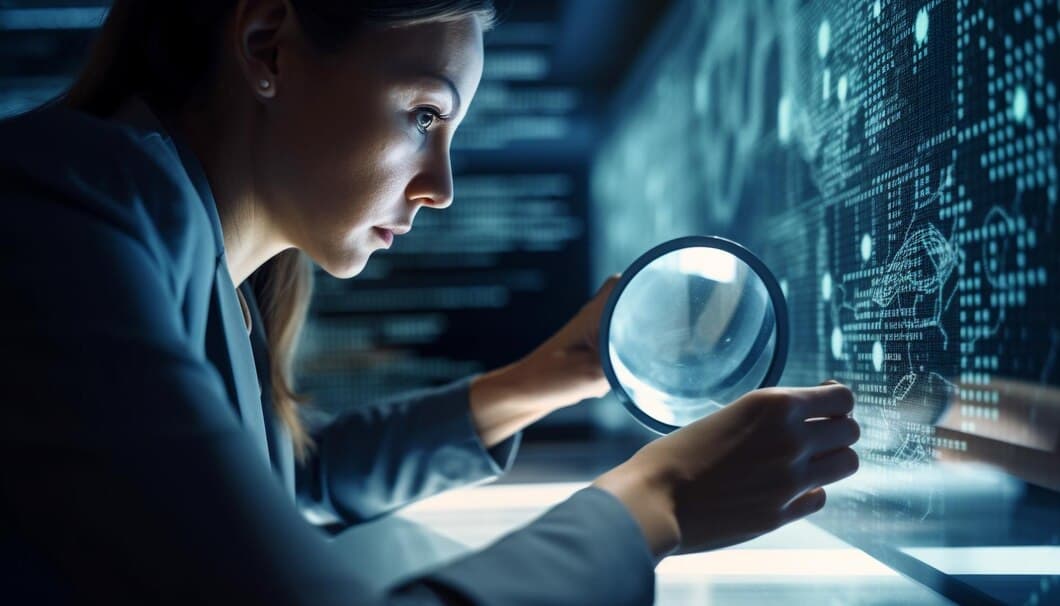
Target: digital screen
x: 895, y: 164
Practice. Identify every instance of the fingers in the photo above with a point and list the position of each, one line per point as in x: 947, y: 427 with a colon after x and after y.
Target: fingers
x: 808, y: 502
x: 610, y: 283
x: 830, y: 400
x: 832, y: 467
x: 826, y: 435
x: 596, y: 304
x: 607, y: 286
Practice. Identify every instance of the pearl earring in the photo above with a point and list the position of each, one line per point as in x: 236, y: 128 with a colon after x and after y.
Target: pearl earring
x: 265, y: 84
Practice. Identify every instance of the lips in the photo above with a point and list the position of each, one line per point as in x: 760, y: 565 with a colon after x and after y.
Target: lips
x: 385, y: 235
x: 397, y: 230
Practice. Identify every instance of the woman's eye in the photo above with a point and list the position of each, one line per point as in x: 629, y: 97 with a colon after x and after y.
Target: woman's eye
x: 425, y: 119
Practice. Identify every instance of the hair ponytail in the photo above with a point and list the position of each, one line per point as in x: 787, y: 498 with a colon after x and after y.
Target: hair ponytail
x: 283, y: 288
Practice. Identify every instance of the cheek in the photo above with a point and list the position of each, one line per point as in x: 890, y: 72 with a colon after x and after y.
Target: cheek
x: 341, y: 179
x: 365, y: 185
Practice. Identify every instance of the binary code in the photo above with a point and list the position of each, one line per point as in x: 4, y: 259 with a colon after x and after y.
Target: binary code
x: 895, y: 164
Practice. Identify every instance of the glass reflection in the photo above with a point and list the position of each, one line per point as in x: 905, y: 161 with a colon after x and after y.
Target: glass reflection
x: 690, y: 332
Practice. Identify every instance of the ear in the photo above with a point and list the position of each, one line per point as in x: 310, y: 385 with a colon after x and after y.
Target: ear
x: 261, y: 27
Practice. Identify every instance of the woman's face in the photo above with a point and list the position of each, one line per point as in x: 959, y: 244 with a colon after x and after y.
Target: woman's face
x: 357, y: 141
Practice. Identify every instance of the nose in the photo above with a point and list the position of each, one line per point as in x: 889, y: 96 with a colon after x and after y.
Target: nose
x: 433, y: 184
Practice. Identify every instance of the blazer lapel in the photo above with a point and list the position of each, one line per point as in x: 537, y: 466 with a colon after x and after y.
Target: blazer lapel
x: 227, y: 343
x: 281, y: 450
x: 228, y: 346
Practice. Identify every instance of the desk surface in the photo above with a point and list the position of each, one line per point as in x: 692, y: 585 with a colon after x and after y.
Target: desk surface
x: 797, y: 564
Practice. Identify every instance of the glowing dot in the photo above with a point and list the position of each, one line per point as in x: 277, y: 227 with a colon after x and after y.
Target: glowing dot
x: 1019, y: 104
x: 877, y: 356
x: 824, y: 38
x: 866, y: 247
x: 826, y: 82
x: 826, y: 287
x: 920, y: 29
x: 841, y: 89
x: 876, y: 8
x: 837, y: 343
x: 784, y: 119
x: 784, y: 287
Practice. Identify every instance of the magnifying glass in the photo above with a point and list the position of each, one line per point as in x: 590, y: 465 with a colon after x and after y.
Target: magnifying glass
x: 692, y: 325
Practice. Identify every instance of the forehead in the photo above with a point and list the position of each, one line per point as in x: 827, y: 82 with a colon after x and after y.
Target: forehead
x: 449, y: 48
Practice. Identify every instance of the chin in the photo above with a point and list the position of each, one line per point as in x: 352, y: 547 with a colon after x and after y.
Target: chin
x: 346, y: 267
x: 346, y: 271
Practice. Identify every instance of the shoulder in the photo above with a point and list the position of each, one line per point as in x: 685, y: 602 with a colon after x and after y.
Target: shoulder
x: 125, y: 178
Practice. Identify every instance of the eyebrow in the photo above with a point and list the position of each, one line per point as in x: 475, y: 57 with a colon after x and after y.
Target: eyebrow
x: 449, y: 84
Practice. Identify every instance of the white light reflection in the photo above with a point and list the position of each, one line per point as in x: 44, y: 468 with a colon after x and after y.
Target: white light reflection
x: 1021, y: 560
x: 478, y: 515
x: 496, y: 497
x: 711, y: 263
x: 767, y: 563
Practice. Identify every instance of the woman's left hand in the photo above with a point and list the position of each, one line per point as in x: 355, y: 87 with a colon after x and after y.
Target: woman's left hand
x: 565, y: 369
x: 562, y: 371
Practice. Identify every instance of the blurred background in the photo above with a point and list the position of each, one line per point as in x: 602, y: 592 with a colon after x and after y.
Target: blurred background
x: 894, y: 162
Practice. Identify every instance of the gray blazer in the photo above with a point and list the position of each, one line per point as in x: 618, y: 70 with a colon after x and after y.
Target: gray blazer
x: 143, y: 461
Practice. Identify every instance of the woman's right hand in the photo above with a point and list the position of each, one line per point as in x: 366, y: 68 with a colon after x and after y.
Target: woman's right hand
x: 749, y: 468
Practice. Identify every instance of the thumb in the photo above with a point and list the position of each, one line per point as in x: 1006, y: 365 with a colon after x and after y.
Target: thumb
x: 595, y: 305
x: 587, y: 321
x: 608, y: 285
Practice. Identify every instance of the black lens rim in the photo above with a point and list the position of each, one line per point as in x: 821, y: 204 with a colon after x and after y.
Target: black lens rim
x: 776, y: 297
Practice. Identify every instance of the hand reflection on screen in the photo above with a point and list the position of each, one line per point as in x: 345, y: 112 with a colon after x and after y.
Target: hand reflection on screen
x: 1020, y: 433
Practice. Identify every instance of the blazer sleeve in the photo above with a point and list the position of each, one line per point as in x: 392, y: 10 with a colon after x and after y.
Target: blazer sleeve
x: 374, y: 459
x: 129, y: 475
x: 587, y: 550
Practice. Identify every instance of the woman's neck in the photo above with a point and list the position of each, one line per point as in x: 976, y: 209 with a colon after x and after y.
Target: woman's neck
x: 224, y: 148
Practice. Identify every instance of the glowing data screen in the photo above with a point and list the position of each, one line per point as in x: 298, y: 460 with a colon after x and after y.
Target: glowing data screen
x: 895, y: 164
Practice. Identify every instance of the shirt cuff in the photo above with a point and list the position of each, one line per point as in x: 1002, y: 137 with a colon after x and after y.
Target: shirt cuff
x: 371, y: 460
x: 452, y: 410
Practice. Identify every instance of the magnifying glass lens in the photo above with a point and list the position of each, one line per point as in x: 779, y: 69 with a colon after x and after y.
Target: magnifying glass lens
x: 689, y: 330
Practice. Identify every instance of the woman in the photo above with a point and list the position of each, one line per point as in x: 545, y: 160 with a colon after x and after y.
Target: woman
x: 152, y: 428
